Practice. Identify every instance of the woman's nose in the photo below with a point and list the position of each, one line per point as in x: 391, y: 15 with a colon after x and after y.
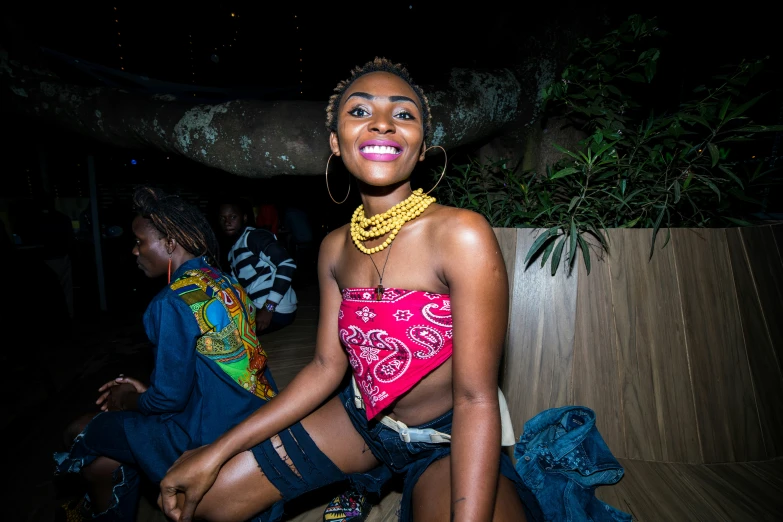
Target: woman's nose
x: 382, y: 123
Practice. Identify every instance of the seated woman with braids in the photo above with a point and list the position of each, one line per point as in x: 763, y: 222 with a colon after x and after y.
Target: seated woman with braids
x: 414, y: 303
x: 209, y: 370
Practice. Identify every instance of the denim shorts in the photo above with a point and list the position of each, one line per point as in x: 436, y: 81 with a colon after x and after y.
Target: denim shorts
x: 413, y: 458
x: 410, y: 459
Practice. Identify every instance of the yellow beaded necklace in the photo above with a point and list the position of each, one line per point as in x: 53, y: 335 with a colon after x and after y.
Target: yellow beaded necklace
x: 389, y: 222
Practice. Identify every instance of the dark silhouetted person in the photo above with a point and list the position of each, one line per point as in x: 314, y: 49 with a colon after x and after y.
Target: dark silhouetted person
x: 261, y: 264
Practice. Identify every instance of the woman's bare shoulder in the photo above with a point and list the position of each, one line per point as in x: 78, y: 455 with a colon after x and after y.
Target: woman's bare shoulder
x: 336, y: 238
x: 460, y: 228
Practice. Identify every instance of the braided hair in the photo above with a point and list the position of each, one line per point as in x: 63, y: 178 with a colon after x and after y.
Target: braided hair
x: 378, y: 65
x: 177, y: 219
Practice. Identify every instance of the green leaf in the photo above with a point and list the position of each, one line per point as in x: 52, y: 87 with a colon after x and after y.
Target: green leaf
x: 574, y: 201
x: 547, y: 251
x: 713, y: 187
x: 556, y: 255
x: 649, y: 70
x: 585, y: 253
x: 732, y: 176
x: 656, y: 226
x: 740, y: 222
x: 760, y: 128
x: 687, y: 181
x: 743, y: 197
x: 714, y: 153
x: 565, y: 151
x: 668, y: 237
x: 629, y: 224
x: 694, y: 118
x: 676, y: 191
x: 572, y: 243
x: 539, y: 242
x: 635, y: 77
x: 564, y: 172
x: 744, y: 107
x: 724, y: 108
x: 758, y: 174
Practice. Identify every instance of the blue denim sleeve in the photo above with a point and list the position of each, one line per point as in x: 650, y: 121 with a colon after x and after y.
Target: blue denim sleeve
x: 173, y: 331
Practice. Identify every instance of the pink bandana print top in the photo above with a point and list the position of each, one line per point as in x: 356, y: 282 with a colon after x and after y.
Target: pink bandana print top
x: 395, y: 342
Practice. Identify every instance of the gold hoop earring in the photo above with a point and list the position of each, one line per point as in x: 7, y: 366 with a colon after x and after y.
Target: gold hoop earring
x: 327, y: 183
x: 445, y: 164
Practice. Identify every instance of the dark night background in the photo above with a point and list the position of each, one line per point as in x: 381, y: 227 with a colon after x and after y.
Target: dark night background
x: 288, y: 50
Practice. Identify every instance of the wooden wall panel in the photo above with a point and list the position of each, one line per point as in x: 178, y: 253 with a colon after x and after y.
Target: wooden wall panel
x: 507, y: 239
x: 657, y: 398
x: 767, y: 266
x: 596, y: 378
x: 729, y: 427
x: 777, y: 232
x: 541, y: 336
x: 764, y: 368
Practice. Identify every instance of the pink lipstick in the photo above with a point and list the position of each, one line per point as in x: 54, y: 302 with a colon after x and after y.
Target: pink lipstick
x: 380, y: 150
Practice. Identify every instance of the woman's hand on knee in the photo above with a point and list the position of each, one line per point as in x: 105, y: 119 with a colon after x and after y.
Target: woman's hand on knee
x: 105, y: 399
x: 187, y: 481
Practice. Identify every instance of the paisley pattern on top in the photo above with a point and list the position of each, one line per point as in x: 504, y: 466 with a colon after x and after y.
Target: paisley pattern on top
x: 395, y: 342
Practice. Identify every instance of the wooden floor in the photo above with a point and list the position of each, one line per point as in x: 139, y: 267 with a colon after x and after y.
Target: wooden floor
x: 657, y: 491
x: 650, y: 491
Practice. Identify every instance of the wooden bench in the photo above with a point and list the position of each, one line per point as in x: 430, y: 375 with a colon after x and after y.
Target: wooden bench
x: 678, y: 355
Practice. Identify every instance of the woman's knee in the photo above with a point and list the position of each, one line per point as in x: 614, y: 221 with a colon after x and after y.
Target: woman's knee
x: 76, y: 427
x: 240, y: 492
x: 100, y: 470
x: 432, y: 496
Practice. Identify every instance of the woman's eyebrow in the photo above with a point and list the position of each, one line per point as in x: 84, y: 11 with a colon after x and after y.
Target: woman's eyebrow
x: 371, y: 97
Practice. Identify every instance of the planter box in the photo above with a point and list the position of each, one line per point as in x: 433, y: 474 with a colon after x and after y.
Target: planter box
x: 679, y: 355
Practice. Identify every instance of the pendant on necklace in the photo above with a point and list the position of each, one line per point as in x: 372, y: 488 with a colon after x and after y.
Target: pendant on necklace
x: 379, y: 292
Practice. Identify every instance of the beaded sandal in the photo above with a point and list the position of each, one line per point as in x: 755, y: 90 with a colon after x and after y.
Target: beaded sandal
x: 350, y: 506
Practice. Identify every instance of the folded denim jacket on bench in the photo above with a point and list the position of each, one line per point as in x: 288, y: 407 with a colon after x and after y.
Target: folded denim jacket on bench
x: 562, y: 458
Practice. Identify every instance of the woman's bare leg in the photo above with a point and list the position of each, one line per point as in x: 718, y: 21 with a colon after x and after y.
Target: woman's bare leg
x: 76, y: 427
x: 242, y: 490
x: 432, y: 496
x: 100, y: 482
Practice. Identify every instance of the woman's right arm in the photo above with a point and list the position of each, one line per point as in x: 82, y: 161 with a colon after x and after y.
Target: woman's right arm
x: 195, y: 472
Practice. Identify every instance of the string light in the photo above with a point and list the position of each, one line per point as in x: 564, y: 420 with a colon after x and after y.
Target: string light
x: 119, y: 42
x: 301, y: 75
x: 192, y: 64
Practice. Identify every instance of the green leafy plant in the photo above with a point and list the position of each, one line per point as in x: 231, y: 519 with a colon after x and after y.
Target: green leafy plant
x: 634, y: 168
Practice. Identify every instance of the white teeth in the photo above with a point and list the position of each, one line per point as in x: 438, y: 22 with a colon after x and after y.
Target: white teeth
x: 380, y: 149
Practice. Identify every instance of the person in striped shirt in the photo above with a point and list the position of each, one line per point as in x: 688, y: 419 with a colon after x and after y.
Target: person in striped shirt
x: 261, y: 264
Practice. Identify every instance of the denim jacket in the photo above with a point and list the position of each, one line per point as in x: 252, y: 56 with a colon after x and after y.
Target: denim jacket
x: 562, y: 458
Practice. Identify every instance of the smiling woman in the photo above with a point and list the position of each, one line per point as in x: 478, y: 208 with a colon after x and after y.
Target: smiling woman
x: 209, y: 373
x: 423, y: 350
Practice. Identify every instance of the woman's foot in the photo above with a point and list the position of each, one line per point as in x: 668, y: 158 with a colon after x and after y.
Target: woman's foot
x: 73, y: 511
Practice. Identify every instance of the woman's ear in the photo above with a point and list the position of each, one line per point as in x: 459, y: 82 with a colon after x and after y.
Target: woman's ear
x: 171, y: 245
x: 423, y: 151
x: 334, y: 143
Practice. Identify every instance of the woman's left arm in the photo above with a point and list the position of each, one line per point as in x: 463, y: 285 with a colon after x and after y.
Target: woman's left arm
x: 478, y: 286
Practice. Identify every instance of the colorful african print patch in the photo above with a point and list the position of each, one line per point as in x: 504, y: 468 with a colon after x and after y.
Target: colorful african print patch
x: 227, y: 320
